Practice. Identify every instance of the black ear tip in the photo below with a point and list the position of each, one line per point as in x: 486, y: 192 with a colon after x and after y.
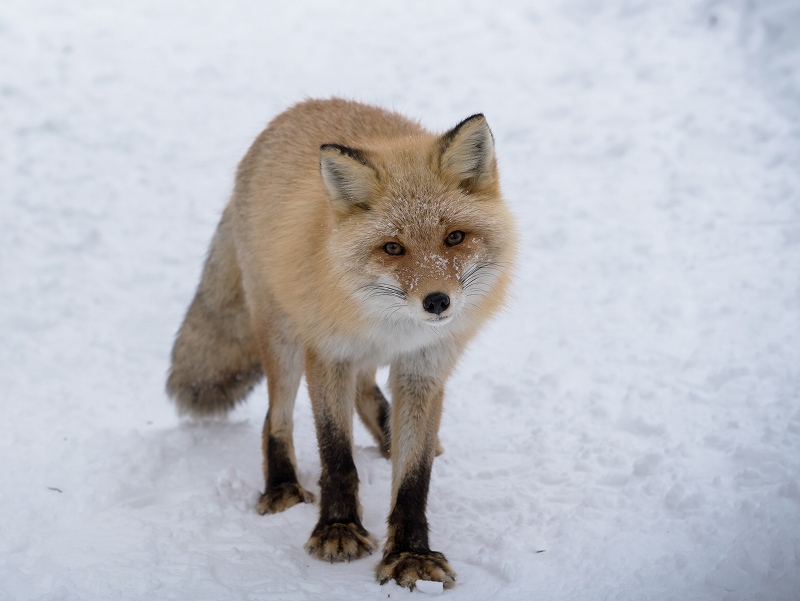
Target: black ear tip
x: 353, y: 153
x: 471, y: 118
x: 449, y: 136
x: 337, y: 147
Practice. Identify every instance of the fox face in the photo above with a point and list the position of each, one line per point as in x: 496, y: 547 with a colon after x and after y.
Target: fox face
x: 420, y: 225
x: 427, y: 267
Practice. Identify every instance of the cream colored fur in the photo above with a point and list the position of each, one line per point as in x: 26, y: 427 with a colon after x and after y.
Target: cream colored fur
x: 298, y: 279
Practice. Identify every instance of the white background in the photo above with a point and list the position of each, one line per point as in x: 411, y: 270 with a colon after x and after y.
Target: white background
x: 628, y: 429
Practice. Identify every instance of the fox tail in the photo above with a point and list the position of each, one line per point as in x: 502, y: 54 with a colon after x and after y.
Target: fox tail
x: 215, y: 359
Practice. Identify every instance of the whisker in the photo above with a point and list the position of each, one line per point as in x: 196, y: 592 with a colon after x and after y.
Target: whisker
x: 475, y: 272
x: 383, y: 290
x: 346, y: 272
x: 395, y: 311
x: 388, y: 312
x: 473, y: 277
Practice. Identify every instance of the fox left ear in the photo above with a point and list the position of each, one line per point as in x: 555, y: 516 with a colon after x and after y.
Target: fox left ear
x: 348, y: 177
x: 468, y: 153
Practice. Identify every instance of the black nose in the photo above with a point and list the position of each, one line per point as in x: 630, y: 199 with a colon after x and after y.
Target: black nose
x: 436, y: 302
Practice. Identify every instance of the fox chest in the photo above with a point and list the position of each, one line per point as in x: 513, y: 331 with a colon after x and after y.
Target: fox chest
x: 381, y: 345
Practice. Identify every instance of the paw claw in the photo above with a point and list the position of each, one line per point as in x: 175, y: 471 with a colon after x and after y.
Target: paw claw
x: 406, y: 568
x: 339, y: 542
x: 282, y: 497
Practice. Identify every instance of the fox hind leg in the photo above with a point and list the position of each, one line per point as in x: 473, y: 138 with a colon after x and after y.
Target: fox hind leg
x: 282, y: 358
x: 374, y: 410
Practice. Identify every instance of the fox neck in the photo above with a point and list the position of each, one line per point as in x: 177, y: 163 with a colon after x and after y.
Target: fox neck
x: 381, y: 342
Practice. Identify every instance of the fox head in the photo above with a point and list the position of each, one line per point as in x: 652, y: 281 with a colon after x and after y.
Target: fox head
x: 420, y: 225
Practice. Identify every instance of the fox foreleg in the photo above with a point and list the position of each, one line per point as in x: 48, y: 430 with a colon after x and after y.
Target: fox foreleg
x: 339, y: 534
x: 417, y: 393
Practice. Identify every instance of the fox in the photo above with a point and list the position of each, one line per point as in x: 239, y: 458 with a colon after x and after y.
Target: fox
x: 354, y: 239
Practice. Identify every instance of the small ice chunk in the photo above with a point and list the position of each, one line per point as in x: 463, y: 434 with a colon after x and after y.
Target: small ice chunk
x: 430, y: 587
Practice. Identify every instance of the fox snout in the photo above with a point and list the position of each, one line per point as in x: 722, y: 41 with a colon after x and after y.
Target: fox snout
x: 436, y: 303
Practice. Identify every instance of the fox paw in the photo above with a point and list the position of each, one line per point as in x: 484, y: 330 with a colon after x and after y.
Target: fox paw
x: 406, y: 568
x: 283, y: 496
x: 340, y: 542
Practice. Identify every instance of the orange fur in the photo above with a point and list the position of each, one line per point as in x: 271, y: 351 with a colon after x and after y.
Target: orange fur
x: 299, y: 270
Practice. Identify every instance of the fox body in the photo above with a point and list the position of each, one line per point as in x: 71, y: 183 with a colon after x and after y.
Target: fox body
x: 354, y: 238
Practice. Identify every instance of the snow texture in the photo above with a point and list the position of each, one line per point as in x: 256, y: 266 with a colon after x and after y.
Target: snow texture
x: 428, y: 587
x: 628, y: 429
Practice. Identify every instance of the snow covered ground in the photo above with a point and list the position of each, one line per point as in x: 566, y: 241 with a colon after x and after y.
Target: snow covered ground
x: 629, y: 429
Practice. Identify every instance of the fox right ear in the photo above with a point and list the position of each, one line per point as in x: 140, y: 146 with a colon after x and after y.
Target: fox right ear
x: 349, y: 179
x: 467, y: 154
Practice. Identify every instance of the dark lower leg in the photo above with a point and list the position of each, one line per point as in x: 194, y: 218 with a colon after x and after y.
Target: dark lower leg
x: 408, y: 526
x: 282, y: 487
x: 339, y: 534
x: 339, y: 480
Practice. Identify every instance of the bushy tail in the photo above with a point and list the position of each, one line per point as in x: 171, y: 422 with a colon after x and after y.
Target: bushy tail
x: 215, y: 360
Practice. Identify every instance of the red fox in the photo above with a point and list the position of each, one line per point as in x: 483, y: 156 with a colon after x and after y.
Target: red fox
x: 354, y: 238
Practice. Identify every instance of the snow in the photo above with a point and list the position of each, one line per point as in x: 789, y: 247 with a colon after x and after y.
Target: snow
x: 428, y: 587
x: 628, y: 429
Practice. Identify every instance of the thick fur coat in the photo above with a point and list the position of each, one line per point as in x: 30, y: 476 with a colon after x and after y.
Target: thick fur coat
x: 354, y: 238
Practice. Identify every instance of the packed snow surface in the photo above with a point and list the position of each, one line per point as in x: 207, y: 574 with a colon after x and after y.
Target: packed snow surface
x: 628, y: 429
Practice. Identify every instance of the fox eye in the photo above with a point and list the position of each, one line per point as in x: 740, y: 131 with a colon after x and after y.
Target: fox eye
x: 394, y: 249
x: 453, y: 238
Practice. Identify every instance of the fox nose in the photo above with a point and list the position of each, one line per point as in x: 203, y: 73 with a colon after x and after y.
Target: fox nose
x: 436, y: 302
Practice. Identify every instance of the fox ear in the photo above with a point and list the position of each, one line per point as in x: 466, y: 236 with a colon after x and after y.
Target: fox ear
x: 348, y: 176
x: 468, y: 153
